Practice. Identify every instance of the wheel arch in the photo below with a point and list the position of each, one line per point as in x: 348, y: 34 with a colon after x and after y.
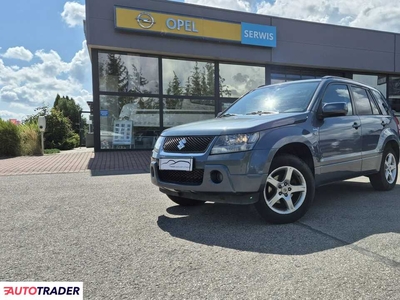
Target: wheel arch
x: 298, y: 149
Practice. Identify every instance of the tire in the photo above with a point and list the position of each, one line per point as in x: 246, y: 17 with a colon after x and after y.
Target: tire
x: 386, y: 178
x: 185, y: 201
x: 291, y: 205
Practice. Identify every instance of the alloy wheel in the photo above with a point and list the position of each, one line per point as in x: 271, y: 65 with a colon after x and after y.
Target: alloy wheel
x: 390, y: 168
x: 285, y: 190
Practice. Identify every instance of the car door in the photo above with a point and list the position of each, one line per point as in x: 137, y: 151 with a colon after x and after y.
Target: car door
x: 372, y: 124
x: 339, y: 138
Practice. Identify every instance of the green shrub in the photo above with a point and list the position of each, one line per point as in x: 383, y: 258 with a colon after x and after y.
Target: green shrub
x: 10, y: 140
x: 51, y: 151
x: 30, y: 139
x: 59, y: 133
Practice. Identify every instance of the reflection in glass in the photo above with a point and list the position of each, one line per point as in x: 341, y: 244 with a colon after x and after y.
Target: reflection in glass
x: 394, y: 92
x: 338, y: 93
x: 361, y: 101
x: 182, y: 111
x: 236, y: 80
x: 128, y: 73
x: 189, y: 78
x: 285, y: 98
x: 129, y: 122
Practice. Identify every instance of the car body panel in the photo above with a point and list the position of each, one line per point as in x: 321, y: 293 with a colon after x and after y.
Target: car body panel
x: 339, y: 150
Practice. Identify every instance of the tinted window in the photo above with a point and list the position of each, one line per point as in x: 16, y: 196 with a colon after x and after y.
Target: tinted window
x: 292, y: 97
x: 361, y: 101
x: 375, y: 109
x: 338, y: 93
x: 381, y: 101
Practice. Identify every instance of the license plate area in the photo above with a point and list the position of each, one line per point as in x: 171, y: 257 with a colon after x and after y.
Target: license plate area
x: 177, y: 164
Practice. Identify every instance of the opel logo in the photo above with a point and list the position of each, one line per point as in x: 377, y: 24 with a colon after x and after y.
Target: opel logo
x: 182, y: 144
x: 145, y: 20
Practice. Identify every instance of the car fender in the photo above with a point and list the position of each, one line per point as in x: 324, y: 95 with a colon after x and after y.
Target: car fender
x: 277, y: 138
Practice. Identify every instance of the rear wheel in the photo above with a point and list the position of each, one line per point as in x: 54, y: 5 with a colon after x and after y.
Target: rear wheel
x: 288, y: 191
x: 386, y: 178
x: 185, y: 201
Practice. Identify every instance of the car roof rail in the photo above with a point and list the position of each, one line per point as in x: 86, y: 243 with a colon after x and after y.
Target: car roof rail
x: 337, y: 77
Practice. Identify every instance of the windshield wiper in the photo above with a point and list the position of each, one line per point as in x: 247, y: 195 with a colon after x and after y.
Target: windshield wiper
x: 260, y: 112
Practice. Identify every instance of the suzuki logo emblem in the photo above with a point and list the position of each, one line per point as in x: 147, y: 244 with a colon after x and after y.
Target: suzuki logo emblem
x: 182, y: 144
x: 145, y: 20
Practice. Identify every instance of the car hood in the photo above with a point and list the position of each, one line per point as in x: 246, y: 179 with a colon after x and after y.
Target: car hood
x: 236, y: 124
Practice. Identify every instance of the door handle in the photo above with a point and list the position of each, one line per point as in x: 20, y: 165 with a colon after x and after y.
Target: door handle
x: 356, y: 125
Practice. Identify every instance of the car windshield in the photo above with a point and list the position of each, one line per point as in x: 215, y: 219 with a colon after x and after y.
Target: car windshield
x: 280, y: 98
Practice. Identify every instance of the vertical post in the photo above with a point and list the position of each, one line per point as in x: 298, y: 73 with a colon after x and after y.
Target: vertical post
x: 42, y: 135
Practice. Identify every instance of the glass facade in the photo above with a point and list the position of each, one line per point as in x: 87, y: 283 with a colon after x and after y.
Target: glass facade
x: 141, y: 95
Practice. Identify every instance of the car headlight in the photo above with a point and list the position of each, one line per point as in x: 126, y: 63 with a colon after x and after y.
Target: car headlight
x: 158, y: 144
x: 235, y: 143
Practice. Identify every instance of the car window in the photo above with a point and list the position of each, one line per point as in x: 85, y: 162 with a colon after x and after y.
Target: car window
x: 381, y: 101
x: 361, y: 101
x: 338, y: 93
x: 281, y: 98
x: 375, y: 109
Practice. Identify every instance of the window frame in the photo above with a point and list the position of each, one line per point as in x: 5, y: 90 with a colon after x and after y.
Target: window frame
x: 350, y: 98
x: 368, y: 97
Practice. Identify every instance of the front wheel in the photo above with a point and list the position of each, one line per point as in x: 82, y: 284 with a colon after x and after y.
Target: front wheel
x: 288, y: 191
x: 386, y: 178
x: 185, y: 201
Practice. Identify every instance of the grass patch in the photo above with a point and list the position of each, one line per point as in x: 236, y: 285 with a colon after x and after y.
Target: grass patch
x: 51, y: 151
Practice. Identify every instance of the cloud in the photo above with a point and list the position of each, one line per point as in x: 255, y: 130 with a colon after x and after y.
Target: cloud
x: 18, y: 53
x: 31, y: 86
x: 73, y: 13
x: 5, y: 115
x: 371, y: 14
x: 241, y: 5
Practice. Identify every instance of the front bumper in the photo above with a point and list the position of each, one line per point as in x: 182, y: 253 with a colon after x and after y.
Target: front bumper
x: 239, y: 188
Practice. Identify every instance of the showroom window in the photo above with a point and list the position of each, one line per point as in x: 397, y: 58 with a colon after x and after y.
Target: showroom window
x: 236, y: 80
x: 182, y: 111
x: 394, y: 92
x: 188, y: 78
x: 128, y: 73
x: 129, y: 122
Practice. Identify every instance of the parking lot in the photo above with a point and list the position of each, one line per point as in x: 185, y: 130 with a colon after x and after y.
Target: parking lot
x: 125, y: 240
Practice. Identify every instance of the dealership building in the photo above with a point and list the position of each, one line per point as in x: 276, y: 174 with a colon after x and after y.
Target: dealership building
x: 158, y: 64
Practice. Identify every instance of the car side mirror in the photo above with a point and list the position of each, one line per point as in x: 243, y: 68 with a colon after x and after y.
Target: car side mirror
x: 335, y: 109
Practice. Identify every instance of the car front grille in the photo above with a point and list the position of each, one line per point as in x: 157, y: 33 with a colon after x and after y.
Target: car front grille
x: 194, y: 177
x: 191, y: 144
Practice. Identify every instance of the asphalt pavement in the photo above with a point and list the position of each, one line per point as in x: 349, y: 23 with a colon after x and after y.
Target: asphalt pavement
x: 125, y: 240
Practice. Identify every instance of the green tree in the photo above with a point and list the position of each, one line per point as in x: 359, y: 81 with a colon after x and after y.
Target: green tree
x: 59, y: 133
x: 187, y: 87
x: 70, y: 109
x: 224, y: 91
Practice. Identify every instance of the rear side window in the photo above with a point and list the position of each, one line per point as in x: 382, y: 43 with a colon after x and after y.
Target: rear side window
x: 361, y: 101
x: 381, y: 101
x: 338, y: 93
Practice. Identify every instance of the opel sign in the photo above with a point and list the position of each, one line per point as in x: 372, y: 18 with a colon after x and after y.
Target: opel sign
x: 145, y: 20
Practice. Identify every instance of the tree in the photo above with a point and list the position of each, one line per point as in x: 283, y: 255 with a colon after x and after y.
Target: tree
x: 59, y: 133
x: 116, y: 74
x: 195, y: 88
x: 210, y: 78
x: 174, y: 88
x: 71, y: 110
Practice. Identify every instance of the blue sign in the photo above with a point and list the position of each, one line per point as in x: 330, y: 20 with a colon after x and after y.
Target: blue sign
x: 103, y: 113
x: 258, y: 35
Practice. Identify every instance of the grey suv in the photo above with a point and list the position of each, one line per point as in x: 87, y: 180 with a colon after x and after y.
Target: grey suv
x: 277, y: 143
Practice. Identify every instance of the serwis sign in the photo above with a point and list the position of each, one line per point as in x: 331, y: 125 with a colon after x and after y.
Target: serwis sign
x: 167, y: 24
